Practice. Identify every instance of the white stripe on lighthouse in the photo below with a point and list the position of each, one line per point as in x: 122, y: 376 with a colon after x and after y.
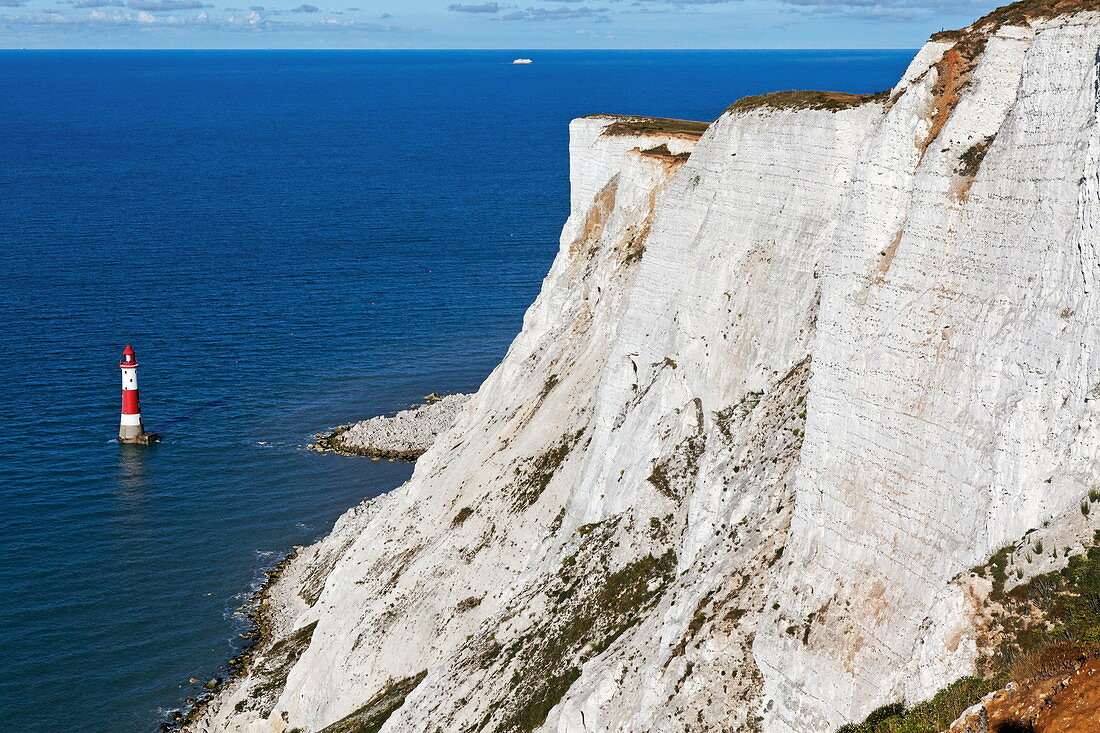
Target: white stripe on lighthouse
x: 134, y: 419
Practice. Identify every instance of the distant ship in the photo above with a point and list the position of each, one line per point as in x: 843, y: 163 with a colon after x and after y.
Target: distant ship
x: 522, y: 61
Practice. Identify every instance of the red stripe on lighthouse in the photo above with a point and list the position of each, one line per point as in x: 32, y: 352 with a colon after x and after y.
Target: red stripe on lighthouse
x: 130, y: 404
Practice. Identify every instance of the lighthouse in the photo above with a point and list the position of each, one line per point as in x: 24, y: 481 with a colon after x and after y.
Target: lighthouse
x: 130, y: 429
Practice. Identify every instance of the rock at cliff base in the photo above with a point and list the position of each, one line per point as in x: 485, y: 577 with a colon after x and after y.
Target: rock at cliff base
x: 406, y: 435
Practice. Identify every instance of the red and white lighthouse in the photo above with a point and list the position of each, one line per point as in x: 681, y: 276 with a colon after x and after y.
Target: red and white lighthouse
x: 130, y: 429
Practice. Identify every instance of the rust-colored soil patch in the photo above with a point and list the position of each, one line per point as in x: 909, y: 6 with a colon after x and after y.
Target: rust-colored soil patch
x: 1067, y: 702
x: 886, y: 258
x: 952, y: 76
x: 597, y: 218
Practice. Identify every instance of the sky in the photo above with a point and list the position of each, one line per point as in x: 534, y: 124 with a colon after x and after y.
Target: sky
x: 476, y: 24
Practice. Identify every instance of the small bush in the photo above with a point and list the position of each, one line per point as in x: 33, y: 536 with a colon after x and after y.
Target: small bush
x: 971, y: 160
x: 662, y: 152
x: 468, y: 604
x: 463, y: 514
x: 885, y: 712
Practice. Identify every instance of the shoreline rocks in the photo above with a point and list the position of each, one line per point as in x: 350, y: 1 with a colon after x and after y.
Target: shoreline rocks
x: 258, y: 614
x: 405, y: 435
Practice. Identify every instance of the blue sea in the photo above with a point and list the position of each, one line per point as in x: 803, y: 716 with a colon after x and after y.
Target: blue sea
x: 290, y: 240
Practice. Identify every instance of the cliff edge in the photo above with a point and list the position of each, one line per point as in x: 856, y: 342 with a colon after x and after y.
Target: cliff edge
x: 793, y: 377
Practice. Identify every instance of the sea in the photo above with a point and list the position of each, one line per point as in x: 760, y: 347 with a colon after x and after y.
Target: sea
x: 290, y: 241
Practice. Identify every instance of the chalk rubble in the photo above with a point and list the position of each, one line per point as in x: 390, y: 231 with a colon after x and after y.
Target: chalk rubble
x: 406, y: 434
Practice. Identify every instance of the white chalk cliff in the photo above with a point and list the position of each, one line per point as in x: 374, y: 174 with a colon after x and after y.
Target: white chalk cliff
x: 774, y: 399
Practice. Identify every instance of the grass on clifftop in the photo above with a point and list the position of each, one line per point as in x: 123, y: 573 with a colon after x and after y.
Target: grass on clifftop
x: 804, y: 99
x: 1019, y: 14
x: 656, y: 126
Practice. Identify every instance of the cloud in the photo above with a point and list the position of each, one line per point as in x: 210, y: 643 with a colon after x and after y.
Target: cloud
x: 383, y: 16
x: 596, y: 15
x: 262, y: 9
x: 490, y: 7
x: 594, y: 34
x: 682, y: 3
x: 252, y: 22
x: 97, y: 3
x: 885, y: 10
x: 98, y: 17
x: 165, y: 5
x: 306, y: 8
x: 12, y: 3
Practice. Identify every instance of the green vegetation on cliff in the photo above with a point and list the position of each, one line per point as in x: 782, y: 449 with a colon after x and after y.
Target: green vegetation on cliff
x: 930, y: 716
x: 373, y: 715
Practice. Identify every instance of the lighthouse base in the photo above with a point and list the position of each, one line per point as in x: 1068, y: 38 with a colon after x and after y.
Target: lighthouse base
x: 141, y: 438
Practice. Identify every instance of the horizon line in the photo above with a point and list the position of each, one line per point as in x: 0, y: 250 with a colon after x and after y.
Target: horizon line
x: 483, y: 50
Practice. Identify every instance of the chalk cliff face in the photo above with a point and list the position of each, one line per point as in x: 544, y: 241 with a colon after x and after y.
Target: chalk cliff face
x: 784, y: 384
